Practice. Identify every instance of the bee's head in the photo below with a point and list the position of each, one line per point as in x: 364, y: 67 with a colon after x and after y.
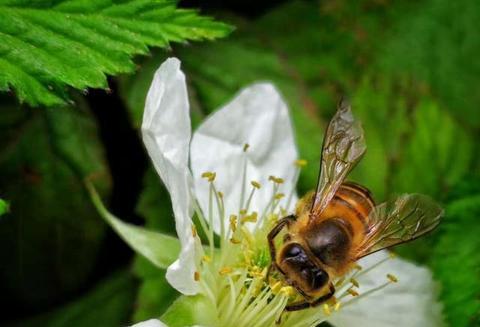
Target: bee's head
x: 298, y: 267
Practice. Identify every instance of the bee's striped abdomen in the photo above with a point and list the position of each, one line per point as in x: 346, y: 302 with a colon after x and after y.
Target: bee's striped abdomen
x: 357, y: 202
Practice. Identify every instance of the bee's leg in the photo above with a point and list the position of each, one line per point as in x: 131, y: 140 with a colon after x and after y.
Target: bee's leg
x: 324, y: 298
x: 297, y: 306
x: 275, y: 231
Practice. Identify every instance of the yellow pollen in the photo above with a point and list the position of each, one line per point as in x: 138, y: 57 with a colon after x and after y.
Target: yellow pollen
x: 245, y: 147
x: 194, y: 231
x: 233, y: 223
x: 357, y: 266
x: 235, y: 241
x: 210, y: 176
x: 276, y: 287
x: 300, y: 163
x: 256, y: 184
x: 287, y: 291
x: 196, y: 276
x: 225, y: 271
x: 276, y: 180
x: 352, y: 292
x: 326, y: 309
x: 337, y: 306
x: 340, y: 281
x: 250, y: 218
x: 354, y: 282
x: 279, y: 196
x: 206, y: 258
x: 392, y: 278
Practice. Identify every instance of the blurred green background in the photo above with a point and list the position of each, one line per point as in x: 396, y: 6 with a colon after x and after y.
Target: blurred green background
x: 410, y: 68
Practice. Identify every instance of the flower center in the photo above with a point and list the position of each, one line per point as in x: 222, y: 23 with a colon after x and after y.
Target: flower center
x: 232, y: 267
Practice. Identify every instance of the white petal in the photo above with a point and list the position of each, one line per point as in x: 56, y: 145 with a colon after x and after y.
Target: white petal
x: 410, y: 302
x: 150, y: 323
x: 257, y: 116
x: 166, y: 133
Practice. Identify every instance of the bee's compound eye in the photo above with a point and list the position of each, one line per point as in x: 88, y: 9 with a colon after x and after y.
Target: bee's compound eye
x: 293, y: 251
x: 320, y: 278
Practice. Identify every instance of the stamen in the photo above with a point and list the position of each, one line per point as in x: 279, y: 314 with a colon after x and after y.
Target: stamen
x: 354, y: 282
x: 337, y: 306
x: 196, y: 276
x: 352, y: 292
x: 206, y: 259
x: 392, y: 278
x: 256, y: 184
x: 235, y: 241
x: 245, y: 147
x: 279, y: 196
x: 225, y: 271
x: 252, y: 218
x: 276, y: 287
x: 326, y: 309
x: 194, y: 231
x: 233, y: 223
x: 276, y: 180
x: 300, y: 163
x: 210, y: 176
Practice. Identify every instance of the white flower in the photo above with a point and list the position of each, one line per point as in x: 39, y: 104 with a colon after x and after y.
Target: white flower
x: 237, y: 176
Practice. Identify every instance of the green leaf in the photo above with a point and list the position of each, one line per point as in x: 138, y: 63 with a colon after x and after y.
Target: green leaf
x: 427, y: 43
x: 46, y: 46
x: 190, y: 311
x: 51, y: 212
x: 4, y: 207
x: 455, y: 259
x: 107, y: 305
x: 155, y: 294
x: 160, y: 249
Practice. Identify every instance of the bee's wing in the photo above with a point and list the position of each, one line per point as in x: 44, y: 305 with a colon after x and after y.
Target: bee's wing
x: 403, y: 219
x: 343, y: 146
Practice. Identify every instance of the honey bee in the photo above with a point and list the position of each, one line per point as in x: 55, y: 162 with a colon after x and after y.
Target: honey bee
x: 339, y: 223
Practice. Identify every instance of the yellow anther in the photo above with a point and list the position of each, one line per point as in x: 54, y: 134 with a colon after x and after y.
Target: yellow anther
x: 206, y: 258
x: 288, y: 291
x: 210, y: 176
x: 276, y: 180
x: 245, y: 147
x: 279, y: 196
x: 340, y: 281
x: 276, y: 287
x: 300, y: 163
x: 220, y: 195
x: 225, y: 271
x: 256, y: 184
x: 252, y: 218
x: 392, y: 278
x: 337, y: 306
x: 354, y: 282
x: 352, y: 292
x: 235, y: 241
x: 194, y: 231
x: 233, y: 223
x: 326, y: 309
x: 357, y: 266
x: 243, y: 212
x: 196, y: 276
